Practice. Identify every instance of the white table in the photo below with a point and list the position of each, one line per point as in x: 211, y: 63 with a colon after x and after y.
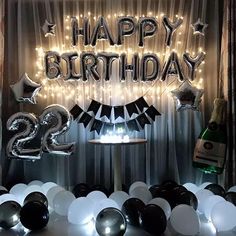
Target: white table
x: 116, y: 154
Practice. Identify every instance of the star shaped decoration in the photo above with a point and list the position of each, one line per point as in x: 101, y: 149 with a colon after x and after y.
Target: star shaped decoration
x: 199, y: 27
x: 48, y: 29
x: 187, y: 96
x: 25, y: 90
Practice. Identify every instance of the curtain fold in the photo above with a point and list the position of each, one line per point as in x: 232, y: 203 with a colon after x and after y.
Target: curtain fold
x: 171, y: 137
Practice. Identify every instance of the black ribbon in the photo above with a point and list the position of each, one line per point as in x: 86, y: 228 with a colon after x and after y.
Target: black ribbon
x: 119, y: 112
x: 141, y: 103
x: 94, y: 107
x: 131, y: 108
x: 76, y: 111
x: 132, y: 125
x: 97, y: 126
x: 106, y: 111
x: 85, y: 119
x: 143, y: 120
x: 152, y: 112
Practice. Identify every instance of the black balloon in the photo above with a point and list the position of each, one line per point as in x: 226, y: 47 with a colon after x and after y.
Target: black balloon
x: 153, y: 219
x: 2, y: 191
x: 112, y: 219
x: 188, y: 198
x: 81, y: 190
x: 216, y: 189
x: 9, y: 214
x: 99, y: 187
x: 153, y: 189
x: 231, y: 197
x: 132, y: 209
x: 169, y: 184
x: 36, y: 197
x: 34, y: 216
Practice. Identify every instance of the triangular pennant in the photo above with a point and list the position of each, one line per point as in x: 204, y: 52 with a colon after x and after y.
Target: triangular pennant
x: 119, y: 112
x: 152, y: 112
x: 132, y: 125
x: 85, y: 119
x: 76, y: 111
x: 94, y: 107
x: 143, y: 120
x: 141, y: 103
x: 108, y: 128
x: 131, y: 108
x: 97, y: 126
x: 106, y: 111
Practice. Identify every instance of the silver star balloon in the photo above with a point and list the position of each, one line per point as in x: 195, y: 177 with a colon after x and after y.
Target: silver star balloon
x: 187, y: 96
x: 199, y: 27
x: 48, y: 29
x: 25, y: 90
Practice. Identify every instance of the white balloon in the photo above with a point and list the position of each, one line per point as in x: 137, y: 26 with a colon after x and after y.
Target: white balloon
x: 119, y: 197
x: 62, y: 201
x: 142, y: 193
x: 203, y: 185
x: 105, y: 203
x: 191, y: 187
x: 161, y: 202
x: 35, y: 182
x: 184, y: 220
x: 210, y: 202
x: 18, y: 191
x: 46, y: 186
x: 137, y: 184
x: 8, y: 197
x: 3, y: 188
x: 52, y: 193
x: 80, y: 211
x: 201, y: 197
x: 223, y: 216
x: 96, y: 196
x: 232, y: 189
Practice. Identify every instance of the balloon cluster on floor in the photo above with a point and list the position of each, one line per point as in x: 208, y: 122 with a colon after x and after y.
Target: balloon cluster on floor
x: 147, y: 207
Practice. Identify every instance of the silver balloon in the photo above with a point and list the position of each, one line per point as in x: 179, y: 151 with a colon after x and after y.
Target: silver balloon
x: 125, y: 27
x: 89, y: 64
x: 193, y: 63
x: 168, y: 68
x: 101, y: 32
x: 170, y: 28
x: 9, y: 214
x: 111, y: 221
x: 70, y: 57
x: 25, y: 90
x: 48, y: 28
x: 107, y: 59
x: 59, y: 119
x: 147, y: 28
x: 27, y: 126
x: 76, y: 31
x: 36, y: 196
x: 52, y: 64
x: 125, y: 67
x: 146, y: 59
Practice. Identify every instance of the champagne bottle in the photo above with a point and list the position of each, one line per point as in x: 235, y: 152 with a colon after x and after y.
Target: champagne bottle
x: 210, y: 149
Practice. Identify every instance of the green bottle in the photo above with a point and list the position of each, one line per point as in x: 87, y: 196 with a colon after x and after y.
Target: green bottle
x: 210, y: 150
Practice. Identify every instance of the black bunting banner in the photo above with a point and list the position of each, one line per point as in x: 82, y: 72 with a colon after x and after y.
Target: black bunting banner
x: 132, y: 125
x: 131, y: 108
x: 94, y: 107
x: 152, y: 112
x: 119, y: 112
x: 106, y: 111
x: 85, y: 119
x: 143, y: 120
x: 96, y: 126
x: 141, y: 103
x: 76, y: 111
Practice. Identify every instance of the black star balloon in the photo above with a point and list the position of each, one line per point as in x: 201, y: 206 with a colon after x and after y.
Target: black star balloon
x: 187, y: 96
x: 25, y: 90
x: 199, y: 27
x: 48, y: 29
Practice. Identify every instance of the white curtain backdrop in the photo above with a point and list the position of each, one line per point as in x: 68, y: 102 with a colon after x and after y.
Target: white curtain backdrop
x: 171, y: 138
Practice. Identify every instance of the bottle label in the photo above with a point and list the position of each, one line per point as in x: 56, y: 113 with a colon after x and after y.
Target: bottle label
x: 208, y: 152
